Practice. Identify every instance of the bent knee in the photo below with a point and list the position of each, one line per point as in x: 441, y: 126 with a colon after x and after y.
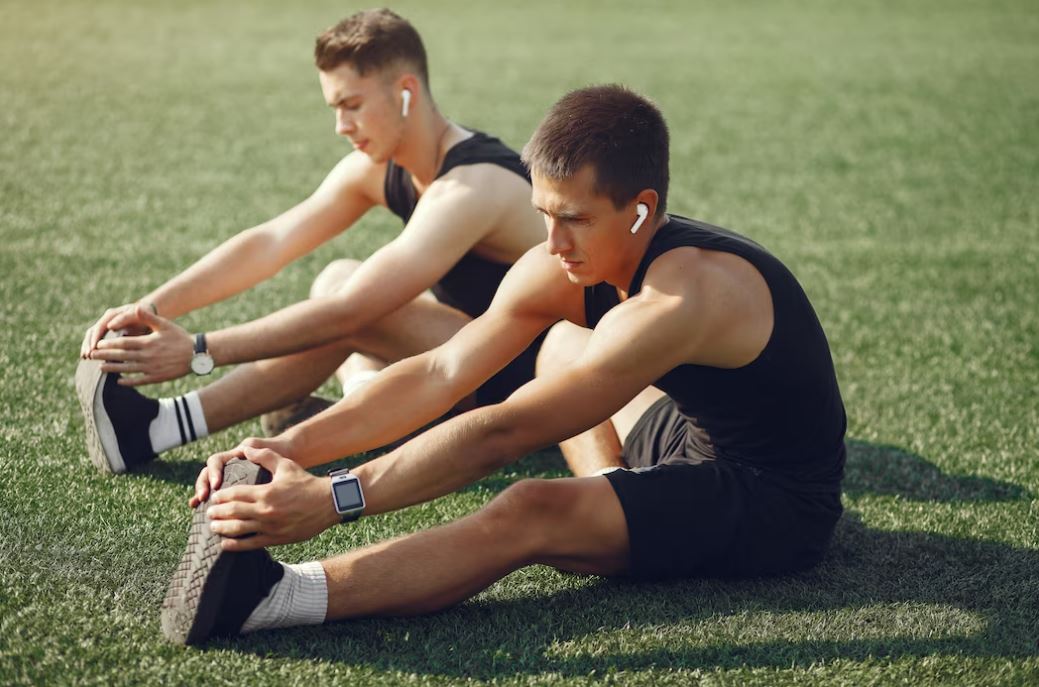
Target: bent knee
x: 525, y: 504
x: 333, y: 276
x: 564, y: 343
x: 573, y: 524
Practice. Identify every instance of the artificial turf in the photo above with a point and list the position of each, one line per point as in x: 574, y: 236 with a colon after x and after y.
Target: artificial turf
x: 887, y: 151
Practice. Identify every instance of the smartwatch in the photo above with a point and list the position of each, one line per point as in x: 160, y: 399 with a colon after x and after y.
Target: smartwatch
x: 201, y: 361
x: 346, y: 494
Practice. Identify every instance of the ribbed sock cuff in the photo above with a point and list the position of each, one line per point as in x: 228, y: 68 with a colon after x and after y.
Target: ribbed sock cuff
x: 299, y: 598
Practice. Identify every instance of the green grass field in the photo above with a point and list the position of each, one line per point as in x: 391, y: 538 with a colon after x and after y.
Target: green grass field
x: 888, y: 152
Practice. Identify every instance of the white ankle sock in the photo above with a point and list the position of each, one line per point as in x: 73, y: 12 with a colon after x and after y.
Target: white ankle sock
x: 180, y: 421
x: 355, y: 382
x: 298, y: 598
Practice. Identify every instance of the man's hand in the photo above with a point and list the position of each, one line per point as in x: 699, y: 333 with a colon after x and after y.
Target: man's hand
x: 123, y: 317
x: 209, y: 479
x: 293, y: 507
x: 162, y: 355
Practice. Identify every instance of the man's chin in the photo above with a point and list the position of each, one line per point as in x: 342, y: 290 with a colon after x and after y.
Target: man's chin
x: 580, y: 279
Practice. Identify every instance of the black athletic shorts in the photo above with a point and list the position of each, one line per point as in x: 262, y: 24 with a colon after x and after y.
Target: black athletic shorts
x: 696, y: 516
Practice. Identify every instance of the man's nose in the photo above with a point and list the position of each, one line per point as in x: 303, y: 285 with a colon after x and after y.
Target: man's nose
x: 559, y: 240
x: 344, y: 124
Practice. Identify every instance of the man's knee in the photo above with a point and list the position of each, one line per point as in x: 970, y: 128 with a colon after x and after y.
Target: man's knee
x: 333, y: 276
x: 572, y: 524
x: 564, y: 343
x: 525, y: 511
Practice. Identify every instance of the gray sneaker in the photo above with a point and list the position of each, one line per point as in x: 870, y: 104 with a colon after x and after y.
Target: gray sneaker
x: 277, y: 421
x: 116, y: 418
x: 212, y: 591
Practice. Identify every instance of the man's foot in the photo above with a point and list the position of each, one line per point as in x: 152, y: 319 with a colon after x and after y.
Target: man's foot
x: 116, y: 419
x: 213, y: 592
x: 277, y: 421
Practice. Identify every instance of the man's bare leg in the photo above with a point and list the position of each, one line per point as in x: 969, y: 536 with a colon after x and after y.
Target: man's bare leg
x: 598, y: 448
x: 256, y: 388
x: 573, y: 524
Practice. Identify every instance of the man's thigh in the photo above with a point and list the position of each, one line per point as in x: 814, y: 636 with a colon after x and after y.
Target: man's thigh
x: 582, y: 524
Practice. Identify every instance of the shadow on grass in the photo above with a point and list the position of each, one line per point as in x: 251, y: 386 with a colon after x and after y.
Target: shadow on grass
x: 877, y: 594
x: 887, y: 470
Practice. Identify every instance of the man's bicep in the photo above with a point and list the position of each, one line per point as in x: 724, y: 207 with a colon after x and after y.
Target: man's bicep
x: 447, y: 223
x: 531, y: 298
x: 630, y: 349
x: 484, y: 346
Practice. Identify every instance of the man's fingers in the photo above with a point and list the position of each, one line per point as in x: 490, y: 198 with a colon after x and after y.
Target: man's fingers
x: 124, y: 343
x: 84, y: 348
x: 245, y: 493
x: 101, y: 327
x: 234, y: 528
x: 233, y: 510
x: 201, y: 487
x: 262, y: 456
x: 144, y: 314
x: 215, y: 466
x: 118, y: 354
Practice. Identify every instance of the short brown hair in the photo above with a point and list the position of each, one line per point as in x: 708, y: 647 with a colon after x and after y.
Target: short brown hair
x: 371, y: 39
x: 621, y: 134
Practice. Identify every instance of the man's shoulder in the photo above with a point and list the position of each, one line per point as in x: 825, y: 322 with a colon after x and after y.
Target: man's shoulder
x: 356, y: 171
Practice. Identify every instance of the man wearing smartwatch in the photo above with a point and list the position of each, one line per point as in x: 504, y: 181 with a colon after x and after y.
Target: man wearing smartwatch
x: 465, y: 200
x: 689, y: 381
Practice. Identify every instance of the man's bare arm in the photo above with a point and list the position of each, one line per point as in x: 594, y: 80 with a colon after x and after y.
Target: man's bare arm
x: 632, y: 347
x: 260, y: 252
x: 453, y: 215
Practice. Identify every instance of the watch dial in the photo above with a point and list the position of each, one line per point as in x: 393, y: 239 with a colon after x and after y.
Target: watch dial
x: 348, y: 495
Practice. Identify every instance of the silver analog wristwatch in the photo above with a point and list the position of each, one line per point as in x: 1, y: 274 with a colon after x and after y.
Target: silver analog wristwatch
x: 201, y: 361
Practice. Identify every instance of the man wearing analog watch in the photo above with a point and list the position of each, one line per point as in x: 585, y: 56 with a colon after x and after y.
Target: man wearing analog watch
x: 689, y: 382
x: 464, y: 198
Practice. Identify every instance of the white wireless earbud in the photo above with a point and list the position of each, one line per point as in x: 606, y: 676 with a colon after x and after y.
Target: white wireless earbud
x: 642, y: 210
x: 405, y: 97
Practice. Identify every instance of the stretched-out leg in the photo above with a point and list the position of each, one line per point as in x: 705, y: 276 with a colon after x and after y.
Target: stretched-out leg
x: 265, y: 385
x: 574, y: 524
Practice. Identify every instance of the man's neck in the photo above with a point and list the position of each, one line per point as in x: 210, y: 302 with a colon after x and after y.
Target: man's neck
x: 621, y: 278
x: 421, y: 151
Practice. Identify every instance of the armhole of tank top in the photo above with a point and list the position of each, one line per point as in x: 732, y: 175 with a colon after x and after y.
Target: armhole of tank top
x: 589, y: 297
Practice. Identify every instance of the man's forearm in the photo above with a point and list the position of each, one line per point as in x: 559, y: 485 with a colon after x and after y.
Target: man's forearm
x: 407, y: 395
x: 444, y: 459
x: 232, y: 267
x: 300, y: 326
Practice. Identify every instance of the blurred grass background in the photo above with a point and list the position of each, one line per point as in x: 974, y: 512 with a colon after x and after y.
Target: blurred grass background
x: 888, y: 152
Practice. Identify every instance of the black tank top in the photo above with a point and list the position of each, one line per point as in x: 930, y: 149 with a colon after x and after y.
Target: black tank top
x: 471, y: 283
x: 782, y: 411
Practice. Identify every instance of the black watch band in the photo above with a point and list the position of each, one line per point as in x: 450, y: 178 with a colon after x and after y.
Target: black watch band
x: 200, y: 342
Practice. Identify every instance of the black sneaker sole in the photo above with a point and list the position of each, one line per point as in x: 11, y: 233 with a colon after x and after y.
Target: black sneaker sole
x: 90, y: 380
x: 198, y: 585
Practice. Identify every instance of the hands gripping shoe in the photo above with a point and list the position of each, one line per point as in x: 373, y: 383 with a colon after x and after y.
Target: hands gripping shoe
x: 212, y: 591
x: 116, y: 418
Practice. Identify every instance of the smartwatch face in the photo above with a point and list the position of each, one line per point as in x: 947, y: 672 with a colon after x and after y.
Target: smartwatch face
x: 348, y: 495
